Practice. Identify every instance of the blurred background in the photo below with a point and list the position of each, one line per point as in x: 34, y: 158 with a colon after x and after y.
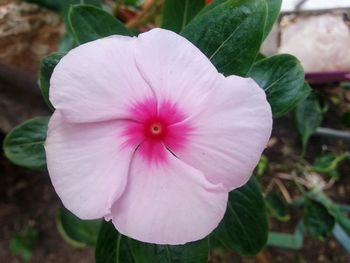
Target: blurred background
x: 317, y: 32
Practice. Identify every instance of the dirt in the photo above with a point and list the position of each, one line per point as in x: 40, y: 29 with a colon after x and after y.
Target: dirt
x: 28, y: 199
x: 27, y: 33
x: 284, y: 157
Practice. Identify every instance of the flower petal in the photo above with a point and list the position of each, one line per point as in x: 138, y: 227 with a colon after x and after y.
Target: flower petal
x: 175, y: 69
x: 98, y: 80
x: 87, y: 164
x: 230, y: 132
x: 168, y: 203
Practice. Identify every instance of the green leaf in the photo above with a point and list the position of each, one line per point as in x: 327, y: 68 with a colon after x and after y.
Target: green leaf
x: 66, y: 43
x: 194, y: 252
x: 89, y: 23
x: 229, y: 33
x: 308, y: 117
x: 343, y: 220
x: 342, y: 237
x: 77, y: 232
x: 277, y: 206
x: 293, y: 241
x: 259, y: 57
x: 334, y: 209
x: 64, y: 5
x: 212, y: 5
x: 113, y: 247
x: 22, y: 243
x: 244, y: 228
x: 67, y: 4
x: 47, y: 66
x: 50, y: 4
x: 328, y: 164
x: 177, y: 13
x: 273, y: 11
x: 282, y: 79
x: 262, y: 166
x: 24, y: 145
x: 317, y: 220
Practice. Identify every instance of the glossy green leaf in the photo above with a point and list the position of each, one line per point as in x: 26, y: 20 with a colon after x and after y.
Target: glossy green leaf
x: 244, y: 228
x: 273, y: 11
x: 293, y: 241
x: 317, y: 220
x: 67, y: 4
x: 113, y: 247
x: 47, y: 66
x: 24, y: 145
x: 277, y: 206
x: 282, y: 79
x: 229, y: 33
x: 89, y: 23
x: 77, y: 232
x: 177, y: 13
x: 308, y: 117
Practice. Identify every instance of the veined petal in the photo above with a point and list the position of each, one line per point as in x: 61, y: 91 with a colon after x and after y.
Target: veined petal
x: 98, y: 80
x: 88, y: 164
x: 168, y: 203
x: 230, y: 132
x: 176, y: 70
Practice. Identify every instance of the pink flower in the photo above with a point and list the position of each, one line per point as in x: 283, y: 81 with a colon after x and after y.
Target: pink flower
x: 147, y: 133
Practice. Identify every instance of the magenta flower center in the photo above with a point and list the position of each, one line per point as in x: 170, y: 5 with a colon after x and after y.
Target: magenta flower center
x: 155, y: 130
x: 157, y: 127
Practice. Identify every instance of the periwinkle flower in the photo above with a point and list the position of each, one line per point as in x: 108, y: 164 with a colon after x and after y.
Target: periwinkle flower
x: 147, y: 133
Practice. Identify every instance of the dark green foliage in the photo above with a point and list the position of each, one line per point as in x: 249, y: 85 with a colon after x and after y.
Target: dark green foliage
x: 177, y: 13
x: 24, y: 145
x: 229, y: 33
x: 282, y: 79
x: 88, y: 23
x: 244, y: 228
x: 317, y: 220
x: 308, y: 117
x: 77, y: 232
x: 113, y: 247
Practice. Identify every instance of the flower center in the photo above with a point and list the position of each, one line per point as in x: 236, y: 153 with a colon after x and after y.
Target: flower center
x: 155, y: 129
